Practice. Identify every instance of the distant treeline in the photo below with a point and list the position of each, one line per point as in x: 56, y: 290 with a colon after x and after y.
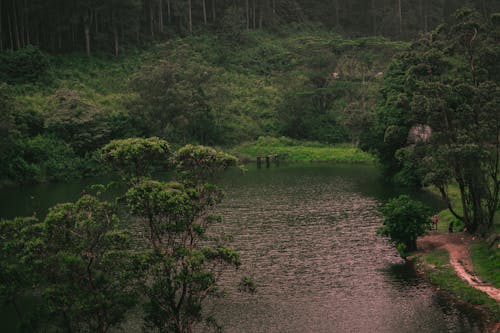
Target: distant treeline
x: 108, y: 25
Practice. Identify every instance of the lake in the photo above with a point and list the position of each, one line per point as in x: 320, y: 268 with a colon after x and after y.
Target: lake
x: 306, y: 234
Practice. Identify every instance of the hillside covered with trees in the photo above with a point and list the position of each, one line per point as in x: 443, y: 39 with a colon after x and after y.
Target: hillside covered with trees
x: 209, y: 72
x: 213, y: 89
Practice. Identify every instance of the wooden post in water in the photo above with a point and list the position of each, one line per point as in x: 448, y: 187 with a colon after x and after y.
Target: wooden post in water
x: 268, y: 161
x: 277, y: 160
x: 259, y: 162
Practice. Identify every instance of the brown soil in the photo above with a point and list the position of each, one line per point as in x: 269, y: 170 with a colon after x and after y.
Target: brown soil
x: 457, y: 245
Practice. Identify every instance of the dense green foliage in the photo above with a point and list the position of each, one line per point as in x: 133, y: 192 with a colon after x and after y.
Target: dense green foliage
x: 301, y: 151
x: 87, y: 269
x: 180, y: 266
x: 404, y: 221
x: 16, y: 269
x: 86, y: 272
x: 172, y: 101
x: 440, y: 122
x: 135, y: 157
x: 76, y: 263
x: 200, y: 90
x: 28, y: 155
x: 25, y: 65
x: 198, y: 164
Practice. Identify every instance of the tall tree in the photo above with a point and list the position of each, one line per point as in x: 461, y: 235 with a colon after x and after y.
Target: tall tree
x: 452, y: 90
x: 400, y: 16
x: 190, y: 16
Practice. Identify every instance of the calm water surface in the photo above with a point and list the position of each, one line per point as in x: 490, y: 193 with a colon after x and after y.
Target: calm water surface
x: 306, y: 235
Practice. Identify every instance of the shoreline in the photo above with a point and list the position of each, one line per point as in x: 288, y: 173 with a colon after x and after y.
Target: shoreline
x: 444, y: 261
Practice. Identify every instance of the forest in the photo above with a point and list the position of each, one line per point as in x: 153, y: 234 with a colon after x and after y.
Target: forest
x: 139, y: 91
x: 111, y: 25
x: 247, y: 70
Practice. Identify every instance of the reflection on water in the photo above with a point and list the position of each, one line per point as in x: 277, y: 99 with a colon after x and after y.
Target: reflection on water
x: 306, y: 235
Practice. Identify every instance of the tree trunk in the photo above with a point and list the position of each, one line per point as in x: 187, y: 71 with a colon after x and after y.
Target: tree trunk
x: 247, y: 8
x: 22, y: 25
x: 10, y: 32
x: 213, y: 10
x: 160, y: 16
x: 274, y: 12
x: 374, y: 17
x: 87, y: 39
x: 138, y: 32
x: 26, y: 22
x: 1, y: 31
x: 16, y: 30
x: 190, y: 16
x: 73, y: 39
x: 421, y: 11
x: 115, y: 34
x: 400, y: 17
x: 465, y: 206
x: 337, y: 13
x: 204, y: 11
x: 260, y: 15
x: 151, y: 19
x: 122, y: 28
x: 426, y: 16
x: 168, y: 12
x: 254, y: 14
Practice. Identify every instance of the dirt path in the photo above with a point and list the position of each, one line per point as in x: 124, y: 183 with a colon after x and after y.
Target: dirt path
x: 457, y: 245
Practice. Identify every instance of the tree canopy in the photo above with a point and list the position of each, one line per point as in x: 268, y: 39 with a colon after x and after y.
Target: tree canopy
x: 440, y: 120
x: 86, y: 268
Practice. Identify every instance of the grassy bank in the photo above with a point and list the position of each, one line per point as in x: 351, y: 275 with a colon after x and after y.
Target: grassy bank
x: 486, y: 261
x: 435, y: 265
x: 301, y: 151
x: 484, y: 253
x: 445, y: 216
x: 485, y: 256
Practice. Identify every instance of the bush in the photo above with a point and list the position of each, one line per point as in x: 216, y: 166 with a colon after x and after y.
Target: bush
x: 404, y: 221
x: 52, y: 158
x: 77, y: 121
x: 23, y: 66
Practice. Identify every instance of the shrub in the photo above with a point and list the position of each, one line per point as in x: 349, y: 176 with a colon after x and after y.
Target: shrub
x: 77, y: 121
x: 23, y: 66
x: 404, y: 221
x: 52, y: 158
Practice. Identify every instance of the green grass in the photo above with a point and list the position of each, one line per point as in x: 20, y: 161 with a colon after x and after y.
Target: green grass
x: 496, y: 223
x: 440, y: 273
x: 486, y: 261
x: 300, y: 151
x: 445, y: 216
